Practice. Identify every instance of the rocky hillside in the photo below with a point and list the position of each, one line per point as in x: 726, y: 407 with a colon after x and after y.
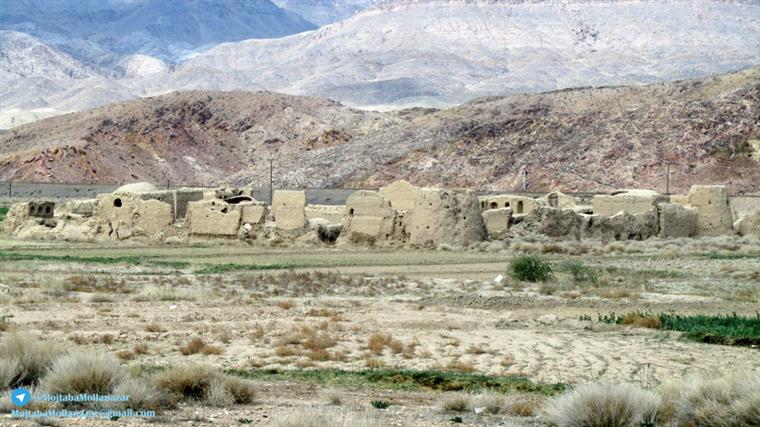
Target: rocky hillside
x: 582, y: 139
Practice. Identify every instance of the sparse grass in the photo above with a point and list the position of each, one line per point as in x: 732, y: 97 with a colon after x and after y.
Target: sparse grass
x: 25, y: 360
x: 719, y: 329
x: 400, y: 379
x: 6, y: 255
x: 530, y: 268
x: 225, y: 268
x: 318, y: 418
x: 580, y: 272
x: 603, y: 405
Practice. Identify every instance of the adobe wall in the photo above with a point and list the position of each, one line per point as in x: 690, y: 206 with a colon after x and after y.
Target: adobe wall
x: 518, y: 204
x: 629, y: 201
x: 332, y: 213
x: 370, y: 219
x: 288, y: 208
x: 213, y: 218
x: 713, y: 212
x: 446, y: 216
x: 401, y: 195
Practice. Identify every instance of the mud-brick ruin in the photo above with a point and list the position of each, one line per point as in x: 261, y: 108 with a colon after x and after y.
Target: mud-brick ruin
x: 397, y: 215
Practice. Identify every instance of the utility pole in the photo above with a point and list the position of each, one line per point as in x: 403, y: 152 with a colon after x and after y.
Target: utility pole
x: 525, y: 181
x: 10, y: 188
x: 271, y: 184
x: 667, y: 179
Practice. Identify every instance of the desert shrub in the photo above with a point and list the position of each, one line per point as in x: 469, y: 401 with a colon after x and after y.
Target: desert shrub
x: 721, y: 402
x: 242, y: 391
x: 493, y: 402
x: 197, y: 345
x: 188, y: 381
x: 24, y: 360
x: 603, y: 405
x: 142, y: 396
x: 380, y: 404
x: 580, y: 272
x: 219, y: 396
x: 92, y: 372
x: 203, y: 382
x: 529, y: 268
x: 456, y: 402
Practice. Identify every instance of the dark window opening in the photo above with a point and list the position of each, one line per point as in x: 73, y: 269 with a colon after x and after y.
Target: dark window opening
x: 520, y: 207
x: 494, y: 205
x: 117, y: 203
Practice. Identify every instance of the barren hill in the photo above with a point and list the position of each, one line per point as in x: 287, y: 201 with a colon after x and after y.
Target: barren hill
x: 583, y: 139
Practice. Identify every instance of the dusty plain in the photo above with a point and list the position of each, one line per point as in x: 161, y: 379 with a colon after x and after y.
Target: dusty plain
x: 327, y: 330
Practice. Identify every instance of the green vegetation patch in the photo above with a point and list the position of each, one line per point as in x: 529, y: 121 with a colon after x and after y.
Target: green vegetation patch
x: 136, y: 260
x: 402, y: 379
x: 730, y: 255
x: 726, y: 329
x: 529, y: 268
x: 224, y: 268
x: 3, y: 212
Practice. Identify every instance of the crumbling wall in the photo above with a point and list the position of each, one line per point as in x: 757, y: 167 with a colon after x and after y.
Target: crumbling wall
x: 126, y: 215
x: 713, y: 211
x: 496, y: 222
x: 446, y: 216
x: 676, y: 220
x: 288, y: 208
x: 749, y: 225
x: 332, y: 213
x: 519, y: 204
x: 401, y: 195
x: 371, y: 219
x: 630, y: 201
x: 213, y: 218
x: 742, y: 206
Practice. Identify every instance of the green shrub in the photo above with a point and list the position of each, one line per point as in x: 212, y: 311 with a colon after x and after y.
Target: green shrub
x: 530, y: 268
x: 3, y: 212
x: 580, y: 272
x: 381, y: 404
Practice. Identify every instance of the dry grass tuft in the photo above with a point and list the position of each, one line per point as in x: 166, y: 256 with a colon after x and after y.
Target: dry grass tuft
x: 125, y: 355
x: 377, y: 343
x: 154, y: 327
x: 456, y: 402
x: 190, y: 381
x: 732, y: 400
x: 24, y: 360
x: 91, y: 372
x: 203, y: 382
x: 491, y: 401
x: 314, y: 418
x: 637, y: 320
x: 603, y: 405
x: 197, y: 345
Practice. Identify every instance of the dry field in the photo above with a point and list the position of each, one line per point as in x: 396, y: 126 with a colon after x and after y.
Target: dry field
x: 312, y: 336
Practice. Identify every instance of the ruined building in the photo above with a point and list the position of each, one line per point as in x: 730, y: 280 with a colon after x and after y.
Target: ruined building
x: 397, y: 215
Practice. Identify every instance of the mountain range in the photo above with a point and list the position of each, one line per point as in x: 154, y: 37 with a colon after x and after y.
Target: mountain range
x: 593, y: 139
x: 391, y: 54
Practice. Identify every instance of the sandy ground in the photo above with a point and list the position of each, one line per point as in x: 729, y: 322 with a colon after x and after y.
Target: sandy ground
x: 437, y: 310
